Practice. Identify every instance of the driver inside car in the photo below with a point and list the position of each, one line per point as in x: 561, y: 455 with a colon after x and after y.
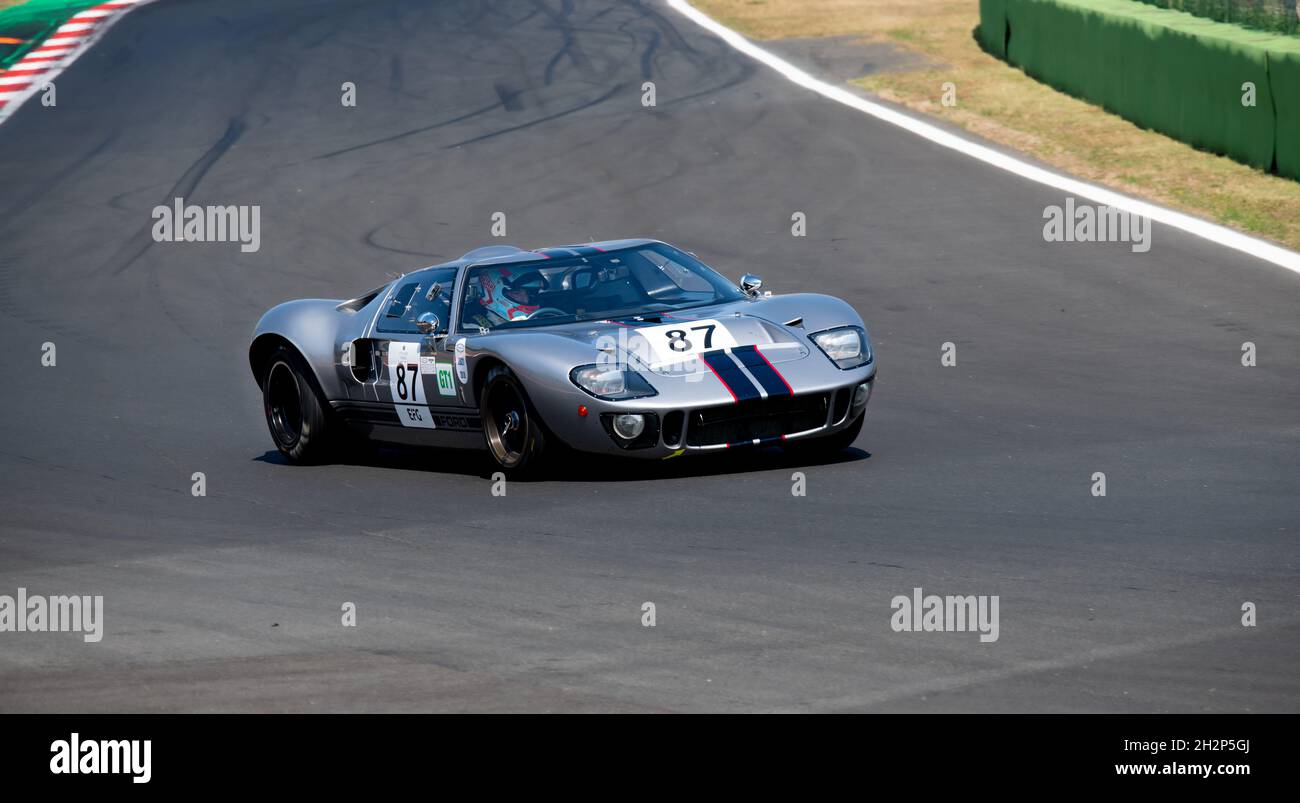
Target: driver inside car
x: 506, y: 298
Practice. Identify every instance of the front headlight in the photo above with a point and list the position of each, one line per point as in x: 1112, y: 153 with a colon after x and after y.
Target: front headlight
x: 610, y: 382
x: 846, y: 346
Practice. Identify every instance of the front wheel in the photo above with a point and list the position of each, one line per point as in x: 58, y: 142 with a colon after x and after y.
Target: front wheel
x: 511, y: 427
x: 298, y: 422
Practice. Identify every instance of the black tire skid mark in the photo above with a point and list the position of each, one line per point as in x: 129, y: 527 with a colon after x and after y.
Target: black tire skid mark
x: 142, y: 240
x: 412, y: 132
x: 675, y: 41
x: 369, y: 239
x: 569, y: 46
x: 548, y: 118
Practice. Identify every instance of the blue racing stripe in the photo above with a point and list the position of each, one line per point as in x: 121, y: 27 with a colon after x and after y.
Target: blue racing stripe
x: 731, y: 375
x: 773, y: 383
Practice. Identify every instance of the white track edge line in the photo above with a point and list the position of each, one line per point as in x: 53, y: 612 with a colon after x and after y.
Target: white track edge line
x: 1213, y: 232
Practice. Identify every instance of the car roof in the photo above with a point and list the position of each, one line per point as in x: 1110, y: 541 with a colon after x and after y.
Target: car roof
x: 509, y: 254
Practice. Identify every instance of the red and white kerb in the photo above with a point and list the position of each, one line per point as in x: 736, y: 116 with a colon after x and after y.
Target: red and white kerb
x: 30, y: 74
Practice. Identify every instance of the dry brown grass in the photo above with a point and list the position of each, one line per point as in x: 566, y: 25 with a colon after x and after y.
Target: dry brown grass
x: 1004, y: 105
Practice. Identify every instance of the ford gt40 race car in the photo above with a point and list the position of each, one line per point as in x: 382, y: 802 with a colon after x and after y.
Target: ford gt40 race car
x: 628, y: 347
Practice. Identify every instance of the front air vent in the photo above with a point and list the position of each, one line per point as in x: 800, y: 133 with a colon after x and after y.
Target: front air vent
x: 841, y: 406
x: 673, y: 423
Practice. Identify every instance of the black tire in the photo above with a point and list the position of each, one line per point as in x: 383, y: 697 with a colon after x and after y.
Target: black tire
x: 300, y: 425
x: 514, y: 433
x: 831, y: 444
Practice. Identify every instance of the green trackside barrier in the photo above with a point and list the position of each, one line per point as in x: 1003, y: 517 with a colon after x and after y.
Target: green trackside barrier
x: 1164, y: 70
x: 1284, y: 72
x: 993, y: 25
x: 33, y: 22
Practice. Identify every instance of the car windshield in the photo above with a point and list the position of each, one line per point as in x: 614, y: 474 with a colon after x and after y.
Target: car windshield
x: 641, y: 280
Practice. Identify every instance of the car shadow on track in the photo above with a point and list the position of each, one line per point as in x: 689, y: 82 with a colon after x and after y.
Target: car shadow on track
x: 573, y: 467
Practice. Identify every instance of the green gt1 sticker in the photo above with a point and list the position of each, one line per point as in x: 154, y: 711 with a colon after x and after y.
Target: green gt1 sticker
x: 446, y: 379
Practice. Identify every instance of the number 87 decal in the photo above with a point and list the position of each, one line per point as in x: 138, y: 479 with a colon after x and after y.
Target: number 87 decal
x: 677, y: 337
x: 404, y: 377
x: 411, y: 371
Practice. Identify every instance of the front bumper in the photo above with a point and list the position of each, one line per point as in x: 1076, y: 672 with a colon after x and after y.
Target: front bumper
x: 698, y: 420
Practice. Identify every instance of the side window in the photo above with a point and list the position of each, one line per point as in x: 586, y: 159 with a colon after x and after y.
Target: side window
x: 421, y: 305
x: 401, y: 303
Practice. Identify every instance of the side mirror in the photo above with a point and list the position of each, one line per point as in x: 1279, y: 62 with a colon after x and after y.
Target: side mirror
x: 427, y: 323
x: 751, y: 284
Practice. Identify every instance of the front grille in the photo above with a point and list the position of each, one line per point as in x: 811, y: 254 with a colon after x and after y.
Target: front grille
x: 756, y: 418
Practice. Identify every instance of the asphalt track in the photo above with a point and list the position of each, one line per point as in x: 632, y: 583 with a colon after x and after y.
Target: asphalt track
x: 972, y: 479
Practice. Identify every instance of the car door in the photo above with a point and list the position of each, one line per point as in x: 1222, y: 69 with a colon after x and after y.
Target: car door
x: 415, y: 376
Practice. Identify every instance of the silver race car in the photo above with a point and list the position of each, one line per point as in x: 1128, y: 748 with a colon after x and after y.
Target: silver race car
x: 627, y: 347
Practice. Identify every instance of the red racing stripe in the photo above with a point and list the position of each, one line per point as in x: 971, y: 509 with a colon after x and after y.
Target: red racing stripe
x: 760, y: 353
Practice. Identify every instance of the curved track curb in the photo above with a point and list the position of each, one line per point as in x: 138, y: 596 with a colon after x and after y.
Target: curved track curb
x: 34, y: 71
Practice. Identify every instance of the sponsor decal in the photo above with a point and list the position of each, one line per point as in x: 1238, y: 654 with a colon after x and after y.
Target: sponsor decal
x: 457, y: 422
x: 446, y: 379
x: 462, y: 366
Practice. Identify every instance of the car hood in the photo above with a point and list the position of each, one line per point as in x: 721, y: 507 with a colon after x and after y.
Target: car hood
x: 652, y: 342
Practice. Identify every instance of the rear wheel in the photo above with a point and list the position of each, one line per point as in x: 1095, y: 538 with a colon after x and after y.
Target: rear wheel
x: 511, y: 427
x: 299, y: 423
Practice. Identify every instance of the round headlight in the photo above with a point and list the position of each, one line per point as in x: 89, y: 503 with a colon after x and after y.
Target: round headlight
x: 842, y: 344
x: 612, y: 382
x: 629, y: 426
x: 600, y: 380
x: 846, y: 347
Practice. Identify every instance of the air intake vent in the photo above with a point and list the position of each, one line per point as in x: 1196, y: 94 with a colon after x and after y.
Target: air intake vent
x: 841, y: 408
x: 673, y: 429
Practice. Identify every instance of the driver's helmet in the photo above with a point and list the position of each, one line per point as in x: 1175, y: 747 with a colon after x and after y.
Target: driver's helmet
x: 498, y: 295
